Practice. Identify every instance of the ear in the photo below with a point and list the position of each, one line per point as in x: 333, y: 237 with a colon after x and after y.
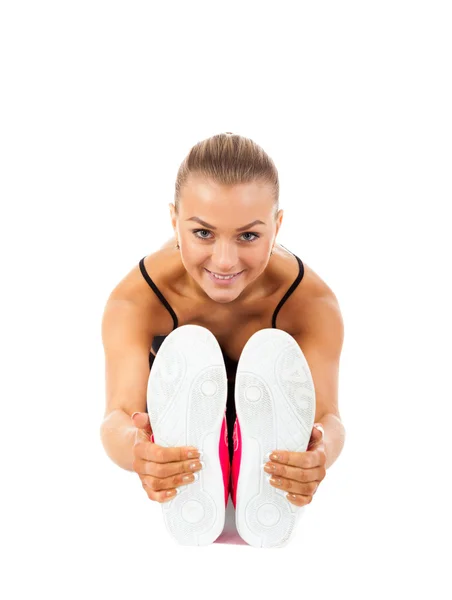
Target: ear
x: 279, y: 219
x: 173, y: 215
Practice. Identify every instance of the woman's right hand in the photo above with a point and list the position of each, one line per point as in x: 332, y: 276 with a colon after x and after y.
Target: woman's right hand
x: 161, y: 469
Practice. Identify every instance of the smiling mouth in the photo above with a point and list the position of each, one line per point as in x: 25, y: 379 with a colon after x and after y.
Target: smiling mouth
x: 225, y: 275
x: 223, y: 278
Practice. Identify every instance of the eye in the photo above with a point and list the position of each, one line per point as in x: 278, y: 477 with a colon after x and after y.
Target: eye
x: 256, y: 236
x: 196, y: 231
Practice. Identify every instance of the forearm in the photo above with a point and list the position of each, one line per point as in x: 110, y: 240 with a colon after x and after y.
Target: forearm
x: 334, y: 437
x: 117, y: 434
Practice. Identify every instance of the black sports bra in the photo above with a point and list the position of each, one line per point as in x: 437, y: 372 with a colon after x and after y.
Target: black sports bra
x: 230, y: 364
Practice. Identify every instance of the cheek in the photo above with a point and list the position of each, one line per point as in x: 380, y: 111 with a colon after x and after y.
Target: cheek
x: 195, y: 258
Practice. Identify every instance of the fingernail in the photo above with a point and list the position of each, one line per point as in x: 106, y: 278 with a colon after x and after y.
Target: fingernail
x: 135, y: 413
x: 192, y: 453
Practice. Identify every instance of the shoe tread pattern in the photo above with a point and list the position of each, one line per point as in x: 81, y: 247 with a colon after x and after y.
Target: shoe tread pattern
x: 275, y: 403
x: 187, y: 394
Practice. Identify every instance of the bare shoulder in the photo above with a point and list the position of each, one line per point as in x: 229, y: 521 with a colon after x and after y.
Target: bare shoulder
x: 320, y: 307
x: 316, y: 287
x: 312, y: 301
x: 134, y: 291
x: 132, y: 317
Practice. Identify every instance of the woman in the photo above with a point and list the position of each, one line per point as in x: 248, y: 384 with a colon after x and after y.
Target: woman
x: 222, y: 271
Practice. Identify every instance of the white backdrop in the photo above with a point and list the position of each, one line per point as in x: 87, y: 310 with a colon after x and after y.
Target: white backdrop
x: 100, y: 103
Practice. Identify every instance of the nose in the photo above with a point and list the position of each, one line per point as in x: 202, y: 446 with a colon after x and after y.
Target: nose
x: 224, y: 256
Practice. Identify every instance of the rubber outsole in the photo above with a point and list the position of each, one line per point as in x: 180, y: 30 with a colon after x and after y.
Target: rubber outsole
x: 187, y: 395
x: 275, y: 405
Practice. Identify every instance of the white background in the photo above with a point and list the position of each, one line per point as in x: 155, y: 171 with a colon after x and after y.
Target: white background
x: 100, y: 103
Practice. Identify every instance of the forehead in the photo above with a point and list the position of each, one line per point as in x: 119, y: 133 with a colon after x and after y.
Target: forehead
x: 205, y: 195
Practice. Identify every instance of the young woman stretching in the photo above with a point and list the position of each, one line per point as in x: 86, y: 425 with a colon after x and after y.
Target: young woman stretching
x: 224, y: 271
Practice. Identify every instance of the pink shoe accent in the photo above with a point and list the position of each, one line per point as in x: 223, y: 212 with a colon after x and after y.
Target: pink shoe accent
x: 235, y: 471
x: 224, y: 458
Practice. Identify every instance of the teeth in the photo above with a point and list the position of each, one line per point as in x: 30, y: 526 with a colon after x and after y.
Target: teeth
x: 223, y: 277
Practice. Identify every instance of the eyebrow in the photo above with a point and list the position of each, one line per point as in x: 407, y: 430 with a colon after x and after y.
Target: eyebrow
x: 201, y: 222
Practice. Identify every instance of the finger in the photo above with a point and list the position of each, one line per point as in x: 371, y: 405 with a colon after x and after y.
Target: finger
x: 142, y: 436
x: 299, y: 500
x: 163, y: 470
x: 320, y: 428
x: 143, y: 430
x: 142, y: 421
x: 295, y: 473
x: 294, y: 487
x: 163, y: 496
x: 161, y: 454
x: 147, y: 450
x: 142, y: 439
x: 302, y: 460
x: 157, y: 484
x: 317, y: 436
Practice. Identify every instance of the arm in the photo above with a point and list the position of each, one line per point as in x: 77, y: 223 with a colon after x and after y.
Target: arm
x: 126, y: 341
x: 334, y: 437
x: 321, y: 339
x: 118, y: 438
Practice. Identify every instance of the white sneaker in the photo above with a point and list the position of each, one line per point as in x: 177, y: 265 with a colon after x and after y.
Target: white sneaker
x: 275, y: 405
x: 187, y: 395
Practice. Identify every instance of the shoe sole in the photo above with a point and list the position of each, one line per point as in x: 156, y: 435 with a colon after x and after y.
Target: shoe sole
x: 275, y: 405
x: 187, y: 395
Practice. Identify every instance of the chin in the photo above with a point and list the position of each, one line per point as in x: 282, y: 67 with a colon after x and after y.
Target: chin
x: 220, y: 296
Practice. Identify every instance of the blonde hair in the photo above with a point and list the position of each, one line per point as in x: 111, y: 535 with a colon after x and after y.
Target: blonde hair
x: 228, y: 159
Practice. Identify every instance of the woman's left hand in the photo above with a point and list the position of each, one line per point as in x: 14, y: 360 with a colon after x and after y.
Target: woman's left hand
x: 299, y: 473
